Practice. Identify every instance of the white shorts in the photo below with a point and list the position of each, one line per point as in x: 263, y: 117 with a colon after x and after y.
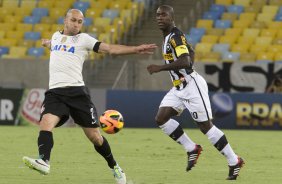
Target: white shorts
x: 194, y: 97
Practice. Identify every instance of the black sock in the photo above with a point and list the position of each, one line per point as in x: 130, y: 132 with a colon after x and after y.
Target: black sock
x: 45, y: 144
x: 106, y: 152
x: 221, y: 143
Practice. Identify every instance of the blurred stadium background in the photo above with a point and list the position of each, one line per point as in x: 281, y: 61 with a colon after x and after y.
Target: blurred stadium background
x: 238, y: 50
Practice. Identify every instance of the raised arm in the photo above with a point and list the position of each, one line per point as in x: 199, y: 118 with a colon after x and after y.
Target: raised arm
x: 183, y: 61
x: 114, y: 49
x: 46, y: 43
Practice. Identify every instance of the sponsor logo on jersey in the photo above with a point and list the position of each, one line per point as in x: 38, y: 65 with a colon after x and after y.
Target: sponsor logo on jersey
x: 65, y: 48
x: 172, y: 42
x: 168, y: 56
x: 183, y: 40
x: 181, y: 49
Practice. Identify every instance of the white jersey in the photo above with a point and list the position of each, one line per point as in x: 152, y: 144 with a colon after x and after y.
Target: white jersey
x: 67, y: 57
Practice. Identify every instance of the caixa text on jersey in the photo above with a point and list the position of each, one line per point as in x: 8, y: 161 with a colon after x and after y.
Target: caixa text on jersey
x: 65, y: 48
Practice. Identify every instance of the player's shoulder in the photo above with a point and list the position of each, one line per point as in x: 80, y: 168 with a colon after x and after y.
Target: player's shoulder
x: 56, y: 35
x: 85, y: 36
x: 176, y: 32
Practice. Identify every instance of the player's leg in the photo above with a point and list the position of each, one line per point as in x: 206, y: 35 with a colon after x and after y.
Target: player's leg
x: 53, y: 113
x: 45, y: 144
x: 172, y: 106
x: 200, y: 109
x: 220, y: 142
x: 173, y: 129
x: 84, y: 113
x: 102, y: 146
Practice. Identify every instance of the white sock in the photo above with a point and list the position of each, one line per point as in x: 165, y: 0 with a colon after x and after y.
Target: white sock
x: 170, y: 126
x: 214, y: 134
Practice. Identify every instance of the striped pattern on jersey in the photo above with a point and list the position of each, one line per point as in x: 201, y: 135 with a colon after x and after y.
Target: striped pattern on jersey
x: 175, y: 45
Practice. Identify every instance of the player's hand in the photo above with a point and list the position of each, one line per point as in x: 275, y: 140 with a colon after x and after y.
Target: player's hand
x: 154, y: 69
x: 46, y: 43
x: 146, y: 48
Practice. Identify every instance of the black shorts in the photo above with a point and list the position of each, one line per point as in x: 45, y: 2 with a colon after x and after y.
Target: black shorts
x: 74, y: 101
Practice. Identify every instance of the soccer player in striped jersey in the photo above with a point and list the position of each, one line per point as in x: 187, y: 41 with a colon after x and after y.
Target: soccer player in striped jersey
x: 189, y: 91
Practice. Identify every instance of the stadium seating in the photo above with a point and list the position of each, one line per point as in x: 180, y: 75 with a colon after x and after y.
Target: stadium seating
x: 241, y: 48
x: 235, y: 9
x: 233, y: 32
x: 222, y: 24
x: 251, y: 32
x: 2, y: 34
x: 24, y: 22
x: 202, y: 23
x: 221, y: 48
x: 229, y: 16
x: 41, y: 27
x: 36, y: 52
x: 40, y: 12
x: 224, y: 2
x: 209, y: 39
x: 246, y: 40
x: 31, y: 19
x: 15, y: 34
x: 3, y: 50
x: 32, y: 35
x: 229, y: 39
x: 82, y: 6
x: 215, y: 31
x: 24, y: 27
x: 278, y: 57
x: 211, y: 57
x: 241, y: 30
x: 248, y: 57
x: 263, y: 40
x: 265, y: 56
x: 231, y: 56
x: 16, y: 52
x: 244, y: 3
x: 26, y: 43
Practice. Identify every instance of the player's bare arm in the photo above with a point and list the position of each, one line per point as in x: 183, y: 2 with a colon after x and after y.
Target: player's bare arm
x: 184, y: 61
x: 114, y: 49
x: 46, y: 43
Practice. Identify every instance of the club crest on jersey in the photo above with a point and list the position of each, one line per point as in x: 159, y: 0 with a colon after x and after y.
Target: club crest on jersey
x: 168, y: 47
x: 64, y: 39
x: 65, y: 48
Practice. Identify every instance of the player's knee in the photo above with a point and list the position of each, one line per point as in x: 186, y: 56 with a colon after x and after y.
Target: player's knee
x: 160, y: 120
x: 96, y: 139
x: 205, y: 126
x: 46, y: 125
x: 94, y: 135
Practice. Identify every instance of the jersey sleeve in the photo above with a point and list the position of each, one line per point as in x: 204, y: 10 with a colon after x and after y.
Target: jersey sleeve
x: 179, y: 45
x: 91, y: 43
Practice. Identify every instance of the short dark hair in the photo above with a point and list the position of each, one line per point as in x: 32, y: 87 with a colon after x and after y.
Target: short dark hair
x: 168, y: 9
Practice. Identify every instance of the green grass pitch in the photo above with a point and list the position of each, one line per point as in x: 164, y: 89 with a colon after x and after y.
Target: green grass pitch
x: 146, y: 155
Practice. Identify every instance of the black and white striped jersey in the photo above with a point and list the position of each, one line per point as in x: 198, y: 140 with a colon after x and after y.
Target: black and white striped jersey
x: 175, y: 45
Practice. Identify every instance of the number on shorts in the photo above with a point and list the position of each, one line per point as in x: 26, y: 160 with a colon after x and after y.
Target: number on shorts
x: 195, y: 115
x: 92, y: 114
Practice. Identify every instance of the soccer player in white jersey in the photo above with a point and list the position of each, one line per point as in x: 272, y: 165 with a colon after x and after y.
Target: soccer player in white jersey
x: 190, y: 91
x: 67, y: 94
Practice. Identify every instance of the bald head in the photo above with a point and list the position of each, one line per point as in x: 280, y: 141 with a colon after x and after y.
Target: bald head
x: 74, y: 11
x: 73, y: 22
